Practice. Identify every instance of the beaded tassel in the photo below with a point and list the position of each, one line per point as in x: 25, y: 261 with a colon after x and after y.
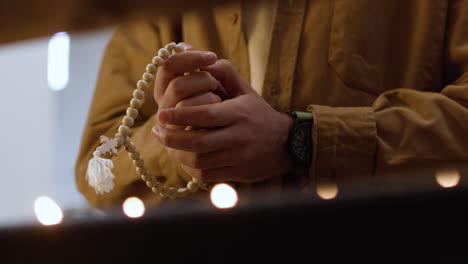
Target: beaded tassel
x: 99, y: 174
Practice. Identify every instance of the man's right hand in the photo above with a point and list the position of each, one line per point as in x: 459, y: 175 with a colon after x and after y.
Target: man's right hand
x: 175, y: 89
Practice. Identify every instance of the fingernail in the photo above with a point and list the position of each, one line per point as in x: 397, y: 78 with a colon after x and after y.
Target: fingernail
x: 163, y: 117
x: 209, y: 56
x: 157, y: 130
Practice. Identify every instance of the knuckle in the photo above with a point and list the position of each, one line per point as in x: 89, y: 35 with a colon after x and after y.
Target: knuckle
x: 210, y: 114
x: 243, y: 115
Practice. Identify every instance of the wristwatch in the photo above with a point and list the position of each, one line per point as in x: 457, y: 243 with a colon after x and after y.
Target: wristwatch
x: 299, y: 140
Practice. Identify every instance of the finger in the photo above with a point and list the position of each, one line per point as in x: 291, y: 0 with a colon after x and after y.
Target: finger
x: 187, y: 86
x: 198, y: 141
x: 201, y: 99
x: 202, y: 161
x: 178, y: 64
x: 228, y: 76
x: 207, y: 116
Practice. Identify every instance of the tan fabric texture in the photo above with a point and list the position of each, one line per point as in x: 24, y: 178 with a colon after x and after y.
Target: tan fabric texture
x: 387, y: 82
x: 257, y: 26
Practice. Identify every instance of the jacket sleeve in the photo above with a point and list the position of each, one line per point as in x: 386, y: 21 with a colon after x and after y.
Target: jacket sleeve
x: 403, y: 129
x: 131, y: 48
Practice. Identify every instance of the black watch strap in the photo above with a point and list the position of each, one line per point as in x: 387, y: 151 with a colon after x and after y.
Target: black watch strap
x: 299, y: 141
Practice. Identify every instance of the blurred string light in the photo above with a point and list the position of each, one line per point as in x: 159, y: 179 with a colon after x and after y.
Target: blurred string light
x: 327, y: 191
x: 448, y: 178
x: 58, y: 61
x: 133, y: 207
x: 47, y: 211
x: 223, y: 196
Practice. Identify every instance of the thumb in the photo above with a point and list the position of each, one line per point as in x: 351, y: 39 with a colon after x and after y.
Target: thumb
x: 233, y: 84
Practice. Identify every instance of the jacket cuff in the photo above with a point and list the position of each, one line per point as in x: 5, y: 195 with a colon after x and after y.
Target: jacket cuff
x: 344, y: 145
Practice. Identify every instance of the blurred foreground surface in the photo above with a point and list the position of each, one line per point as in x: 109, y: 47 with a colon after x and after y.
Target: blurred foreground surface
x: 427, y: 223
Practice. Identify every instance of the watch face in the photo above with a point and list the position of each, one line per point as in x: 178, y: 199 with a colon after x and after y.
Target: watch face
x: 301, y: 143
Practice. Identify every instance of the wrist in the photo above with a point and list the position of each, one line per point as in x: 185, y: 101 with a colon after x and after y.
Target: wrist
x: 286, y: 123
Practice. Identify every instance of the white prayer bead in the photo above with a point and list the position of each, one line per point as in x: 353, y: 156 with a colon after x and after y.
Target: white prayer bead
x: 195, y: 180
x: 170, y: 46
x: 141, y: 171
x: 151, y: 68
x: 150, y: 183
x: 128, y: 121
x: 138, y: 163
x: 131, y: 147
x: 136, y: 103
x: 147, y: 77
x: 192, y: 186
x: 182, y: 192
x: 164, y: 53
x: 142, y: 84
x: 134, y: 156
x: 171, y: 192
x: 138, y: 94
x: 158, y: 61
x: 119, y: 138
x: 179, y: 49
x: 127, y: 141
x: 132, y: 112
x: 157, y: 188
x: 145, y: 177
x: 124, y: 130
x: 164, y: 191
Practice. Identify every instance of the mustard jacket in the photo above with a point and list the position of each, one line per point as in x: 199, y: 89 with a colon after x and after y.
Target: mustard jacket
x: 386, y: 80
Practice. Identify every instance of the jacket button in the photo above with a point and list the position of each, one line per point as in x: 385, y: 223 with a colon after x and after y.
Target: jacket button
x: 233, y: 18
x: 274, y: 90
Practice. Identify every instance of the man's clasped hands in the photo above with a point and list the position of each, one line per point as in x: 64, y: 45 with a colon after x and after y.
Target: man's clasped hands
x: 215, y: 124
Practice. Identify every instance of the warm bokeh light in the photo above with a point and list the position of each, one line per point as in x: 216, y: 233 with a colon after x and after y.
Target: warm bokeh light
x: 223, y: 196
x: 133, y: 207
x: 47, y: 211
x: 448, y: 178
x: 327, y: 191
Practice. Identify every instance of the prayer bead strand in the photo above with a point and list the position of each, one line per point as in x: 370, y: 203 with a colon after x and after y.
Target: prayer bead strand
x: 156, y: 184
